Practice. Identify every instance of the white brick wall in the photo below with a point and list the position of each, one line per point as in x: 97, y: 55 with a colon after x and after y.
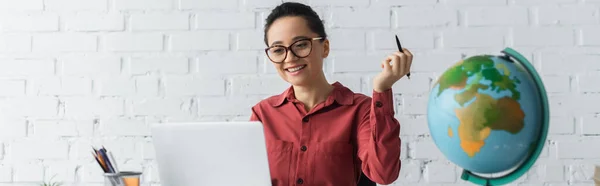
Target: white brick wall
x: 75, y: 73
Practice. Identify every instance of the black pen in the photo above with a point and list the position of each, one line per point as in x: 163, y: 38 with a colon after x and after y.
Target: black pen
x: 400, y: 49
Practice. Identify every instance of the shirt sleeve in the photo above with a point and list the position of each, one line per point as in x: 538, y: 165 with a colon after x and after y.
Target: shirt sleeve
x: 254, y: 116
x: 379, y: 138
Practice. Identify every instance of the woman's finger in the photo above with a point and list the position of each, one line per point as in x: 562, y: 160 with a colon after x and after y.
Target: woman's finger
x: 409, y: 59
x: 400, y: 63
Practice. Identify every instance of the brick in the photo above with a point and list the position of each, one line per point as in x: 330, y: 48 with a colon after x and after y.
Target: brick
x: 554, y: 63
x: 385, y: 3
x: 440, y: 172
x: 338, y: 3
x: 578, y: 148
x: 347, y: 39
x: 562, y: 125
x: 65, y: 43
x: 207, y: 5
x: 148, y: 150
x: 22, y: 67
x: 54, y: 128
x: 488, y: 16
x: 147, y: 86
x: 262, y: 85
x: 124, y: 127
x: 6, y: 173
x: 115, y: 86
x: 410, y: 39
x: 12, y: 128
x: 144, y: 4
x: 567, y: 15
x: 161, y: 107
x: 474, y: 37
x: 543, y: 37
x: 426, y: 149
x: 123, y: 148
x: 90, y: 65
x: 588, y: 83
x: 437, y: 61
x: 250, y: 40
x: 201, y: 40
x: 542, y: 2
x: 354, y: 63
x: 40, y: 22
x: 413, y: 125
x: 232, y: 105
x: 239, y: 20
x: 24, y: 5
x: 557, y: 84
x: 15, y: 43
x: 134, y: 42
x: 253, y: 4
x: 227, y: 63
x: 34, y: 148
x: 30, y: 172
x: 87, y: 107
x: 30, y: 106
x: 424, y: 17
x: 61, y: 170
x: 160, y: 21
x: 76, y: 5
x: 589, y: 125
x: 194, y: 86
x: 12, y: 87
x: 417, y: 85
x: 411, y: 172
x: 95, y: 22
x: 360, y: 18
x: 589, y: 36
x: 412, y: 105
x: 63, y: 86
x: 476, y: 2
x: 167, y: 65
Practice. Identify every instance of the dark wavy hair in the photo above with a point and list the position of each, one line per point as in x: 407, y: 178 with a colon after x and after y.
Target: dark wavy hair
x: 296, y: 9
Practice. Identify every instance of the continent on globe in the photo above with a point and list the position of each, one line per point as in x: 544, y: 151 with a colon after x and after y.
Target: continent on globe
x: 484, y: 113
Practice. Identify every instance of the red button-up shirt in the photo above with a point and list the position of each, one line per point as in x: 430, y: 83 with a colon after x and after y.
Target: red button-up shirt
x: 332, y: 143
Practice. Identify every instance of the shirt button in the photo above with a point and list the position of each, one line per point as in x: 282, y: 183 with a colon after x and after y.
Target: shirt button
x: 299, y: 181
x: 305, y: 119
x: 378, y: 104
x: 303, y: 148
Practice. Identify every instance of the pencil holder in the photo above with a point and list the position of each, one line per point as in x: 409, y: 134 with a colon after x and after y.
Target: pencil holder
x: 125, y: 178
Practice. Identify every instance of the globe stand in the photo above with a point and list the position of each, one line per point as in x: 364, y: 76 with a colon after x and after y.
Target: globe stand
x: 530, y: 160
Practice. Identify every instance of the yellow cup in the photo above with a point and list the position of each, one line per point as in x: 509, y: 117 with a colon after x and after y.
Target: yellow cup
x: 125, y: 178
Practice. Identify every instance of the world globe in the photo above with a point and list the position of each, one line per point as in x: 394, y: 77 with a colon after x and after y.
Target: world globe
x: 488, y: 115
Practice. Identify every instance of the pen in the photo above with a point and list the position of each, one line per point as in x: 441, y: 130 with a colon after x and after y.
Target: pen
x: 400, y: 49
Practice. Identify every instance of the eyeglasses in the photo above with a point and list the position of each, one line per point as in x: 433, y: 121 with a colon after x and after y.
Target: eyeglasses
x: 300, y: 48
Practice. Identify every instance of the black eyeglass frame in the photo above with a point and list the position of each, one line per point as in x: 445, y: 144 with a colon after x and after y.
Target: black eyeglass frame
x: 288, y: 48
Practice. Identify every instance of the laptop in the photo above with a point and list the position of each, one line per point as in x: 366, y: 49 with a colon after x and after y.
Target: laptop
x: 211, y: 154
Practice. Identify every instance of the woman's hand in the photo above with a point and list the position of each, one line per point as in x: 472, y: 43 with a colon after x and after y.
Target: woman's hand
x: 395, y: 66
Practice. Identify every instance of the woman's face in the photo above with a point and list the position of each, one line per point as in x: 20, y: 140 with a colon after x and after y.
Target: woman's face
x: 286, y: 31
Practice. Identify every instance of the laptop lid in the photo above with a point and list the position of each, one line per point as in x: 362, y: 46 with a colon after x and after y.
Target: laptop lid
x: 211, y: 153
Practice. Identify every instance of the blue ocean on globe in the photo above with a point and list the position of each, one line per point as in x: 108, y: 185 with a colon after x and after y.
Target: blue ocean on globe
x: 497, y: 124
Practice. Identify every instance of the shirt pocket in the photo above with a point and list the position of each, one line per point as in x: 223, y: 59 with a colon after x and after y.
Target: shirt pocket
x: 334, y: 164
x: 279, y: 155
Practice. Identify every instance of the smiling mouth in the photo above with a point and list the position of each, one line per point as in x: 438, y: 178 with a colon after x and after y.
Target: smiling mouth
x: 294, y: 69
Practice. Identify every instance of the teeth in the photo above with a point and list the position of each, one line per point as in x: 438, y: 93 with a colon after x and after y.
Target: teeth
x: 296, y: 69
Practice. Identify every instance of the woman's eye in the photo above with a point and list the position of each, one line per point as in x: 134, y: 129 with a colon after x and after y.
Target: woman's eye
x: 277, y: 51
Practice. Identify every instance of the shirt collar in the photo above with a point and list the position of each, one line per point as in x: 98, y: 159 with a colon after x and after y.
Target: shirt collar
x: 340, y: 94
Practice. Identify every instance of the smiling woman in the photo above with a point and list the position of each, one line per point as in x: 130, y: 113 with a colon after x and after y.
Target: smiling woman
x: 319, y: 133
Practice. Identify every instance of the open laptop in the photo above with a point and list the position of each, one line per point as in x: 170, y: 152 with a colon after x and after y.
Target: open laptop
x: 211, y: 154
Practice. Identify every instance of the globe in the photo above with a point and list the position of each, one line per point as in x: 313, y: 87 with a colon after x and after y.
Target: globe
x: 489, y: 114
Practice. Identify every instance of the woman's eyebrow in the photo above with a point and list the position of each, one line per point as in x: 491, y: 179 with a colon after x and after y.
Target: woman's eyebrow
x: 293, y: 39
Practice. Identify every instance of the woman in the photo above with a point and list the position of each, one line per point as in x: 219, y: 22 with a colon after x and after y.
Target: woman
x: 319, y: 133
